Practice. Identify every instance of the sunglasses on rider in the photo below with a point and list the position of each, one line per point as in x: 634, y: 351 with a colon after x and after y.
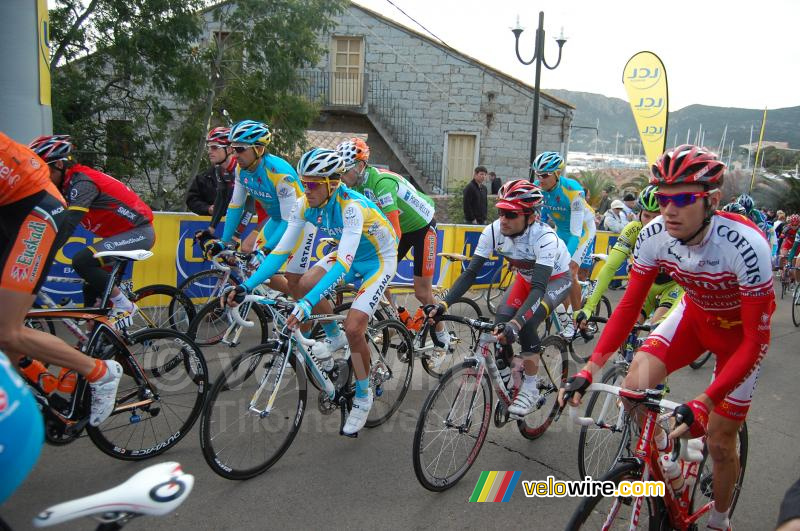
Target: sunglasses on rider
x: 241, y: 149
x: 543, y: 175
x: 312, y: 185
x: 508, y: 214
x: 680, y: 200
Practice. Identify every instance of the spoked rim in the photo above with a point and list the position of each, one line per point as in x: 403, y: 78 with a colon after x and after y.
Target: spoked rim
x: 452, y: 427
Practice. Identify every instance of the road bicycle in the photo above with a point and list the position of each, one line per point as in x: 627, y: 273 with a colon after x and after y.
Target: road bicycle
x: 455, y: 416
x: 160, y: 396
x: 681, y: 509
x: 255, y: 407
x: 157, y: 490
x: 788, y: 283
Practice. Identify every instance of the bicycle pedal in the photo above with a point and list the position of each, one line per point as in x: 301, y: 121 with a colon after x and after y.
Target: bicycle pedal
x: 349, y: 436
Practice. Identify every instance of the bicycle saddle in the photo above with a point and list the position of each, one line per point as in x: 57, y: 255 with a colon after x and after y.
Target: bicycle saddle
x: 139, y: 254
x: 157, y: 490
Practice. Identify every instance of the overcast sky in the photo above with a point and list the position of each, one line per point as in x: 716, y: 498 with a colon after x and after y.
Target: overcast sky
x: 728, y: 54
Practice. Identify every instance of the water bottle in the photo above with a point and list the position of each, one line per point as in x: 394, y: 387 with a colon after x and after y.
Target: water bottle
x: 323, y: 355
x: 673, y: 473
x: 404, y: 316
x: 36, y: 372
x: 418, y: 320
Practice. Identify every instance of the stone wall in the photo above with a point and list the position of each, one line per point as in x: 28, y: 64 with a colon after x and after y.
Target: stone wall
x: 445, y: 91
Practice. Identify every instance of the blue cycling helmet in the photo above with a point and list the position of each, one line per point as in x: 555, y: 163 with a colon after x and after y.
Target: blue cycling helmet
x: 250, y: 132
x: 746, y: 201
x: 548, y: 162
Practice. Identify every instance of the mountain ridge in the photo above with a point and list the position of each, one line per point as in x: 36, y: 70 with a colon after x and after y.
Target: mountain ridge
x: 615, y: 116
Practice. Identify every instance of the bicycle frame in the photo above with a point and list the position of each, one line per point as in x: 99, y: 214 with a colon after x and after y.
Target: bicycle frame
x: 646, y: 453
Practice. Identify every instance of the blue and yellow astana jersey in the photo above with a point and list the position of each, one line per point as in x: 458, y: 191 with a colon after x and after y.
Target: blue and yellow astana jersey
x: 566, y: 205
x: 274, y: 184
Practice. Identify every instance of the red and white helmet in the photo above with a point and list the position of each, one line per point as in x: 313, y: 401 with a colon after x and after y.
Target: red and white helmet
x: 793, y: 220
x: 219, y: 136
x: 687, y: 164
x: 52, y: 148
x: 520, y: 196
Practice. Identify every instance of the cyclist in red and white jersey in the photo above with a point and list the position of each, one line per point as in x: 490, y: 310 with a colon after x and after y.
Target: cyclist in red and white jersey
x: 103, y: 206
x: 723, y: 262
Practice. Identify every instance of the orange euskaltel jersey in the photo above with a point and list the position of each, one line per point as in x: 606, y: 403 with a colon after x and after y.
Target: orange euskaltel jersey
x: 22, y: 173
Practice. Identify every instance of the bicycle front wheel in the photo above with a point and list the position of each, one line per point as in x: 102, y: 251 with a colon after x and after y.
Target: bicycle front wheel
x: 201, y: 288
x: 602, y: 444
x: 392, y: 364
x: 553, y: 367
x: 796, y: 307
x: 602, y: 512
x: 160, y: 396
x: 452, y: 427
x: 462, y: 340
x: 253, y: 412
x: 584, y: 349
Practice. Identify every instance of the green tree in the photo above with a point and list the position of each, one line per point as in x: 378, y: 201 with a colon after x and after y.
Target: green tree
x: 252, y: 64
x: 135, y: 82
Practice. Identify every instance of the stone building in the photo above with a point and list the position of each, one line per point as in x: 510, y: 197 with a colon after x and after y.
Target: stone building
x: 428, y: 110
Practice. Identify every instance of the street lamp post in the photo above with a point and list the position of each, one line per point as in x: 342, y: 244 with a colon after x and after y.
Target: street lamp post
x: 538, y: 56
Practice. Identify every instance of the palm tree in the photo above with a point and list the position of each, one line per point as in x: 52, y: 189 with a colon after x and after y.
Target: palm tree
x: 636, y: 183
x: 594, y: 183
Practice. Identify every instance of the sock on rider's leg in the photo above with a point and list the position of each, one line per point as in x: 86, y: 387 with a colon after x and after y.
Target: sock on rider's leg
x: 362, y: 388
x: 560, y: 309
x: 331, y: 328
x: 717, y: 519
x: 122, y: 302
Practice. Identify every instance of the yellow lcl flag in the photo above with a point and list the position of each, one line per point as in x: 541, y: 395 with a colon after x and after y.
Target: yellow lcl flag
x: 43, y: 38
x: 645, y: 80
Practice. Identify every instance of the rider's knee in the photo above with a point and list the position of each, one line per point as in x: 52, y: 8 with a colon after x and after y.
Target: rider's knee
x: 721, y: 445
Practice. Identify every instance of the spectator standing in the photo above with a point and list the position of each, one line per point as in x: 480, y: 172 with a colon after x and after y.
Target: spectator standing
x: 605, y: 202
x: 629, y: 206
x: 614, y: 219
x: 211, y: 190
x: 476, y: 198
x: 496, y: 182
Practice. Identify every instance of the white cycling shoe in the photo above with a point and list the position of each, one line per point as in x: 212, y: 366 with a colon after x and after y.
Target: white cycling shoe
x: 526, y: 400
x: 104, y: 393
x: 358, y: 414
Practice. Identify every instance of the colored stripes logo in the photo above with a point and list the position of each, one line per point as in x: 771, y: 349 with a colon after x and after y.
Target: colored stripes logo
x: 495, y: 486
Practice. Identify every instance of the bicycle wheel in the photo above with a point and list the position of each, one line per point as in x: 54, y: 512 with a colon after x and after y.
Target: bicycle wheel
x: 553, y: 368
x: 796, y: 307
x: 239, y: 443
x: 212, y: 326
x: 162, y: 306
x: 700, y: 361
x: 601, y: 445
x: 392, y: 364
x: 601, y: 512
x: 160, y: 396
x: 702, y: 491
x: 462, y: 338
x: 501, y: 280
x: 204, y: 286
x: 452, y: 427
x: 580, y: 349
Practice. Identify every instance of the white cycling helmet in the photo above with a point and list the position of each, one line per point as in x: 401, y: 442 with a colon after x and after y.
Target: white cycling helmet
x: 322, y: 163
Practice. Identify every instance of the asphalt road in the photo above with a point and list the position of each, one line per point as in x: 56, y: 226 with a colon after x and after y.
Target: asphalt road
x: 329, y: 481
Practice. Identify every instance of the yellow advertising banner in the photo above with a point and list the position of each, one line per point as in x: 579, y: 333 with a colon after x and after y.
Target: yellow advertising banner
x: 645, y: 80
x: 42, y: 32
